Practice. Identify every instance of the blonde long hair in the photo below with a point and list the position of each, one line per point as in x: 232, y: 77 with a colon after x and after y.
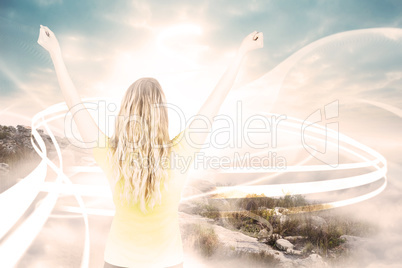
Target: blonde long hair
x: 140, y: 144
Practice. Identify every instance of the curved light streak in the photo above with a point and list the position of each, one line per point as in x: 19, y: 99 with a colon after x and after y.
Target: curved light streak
x: 30, y: 187
x: 308, y: 187
x: 320, y: 186
x: 11, y: 248
x: 384, y: 106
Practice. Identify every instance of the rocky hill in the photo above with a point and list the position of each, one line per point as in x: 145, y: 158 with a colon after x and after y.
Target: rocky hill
x: 17, y: 155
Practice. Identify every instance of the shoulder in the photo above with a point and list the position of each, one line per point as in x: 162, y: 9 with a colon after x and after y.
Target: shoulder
x: 182, y: 143
x: 100, y: 152
x: 179, y: 142
x: 177, y: 139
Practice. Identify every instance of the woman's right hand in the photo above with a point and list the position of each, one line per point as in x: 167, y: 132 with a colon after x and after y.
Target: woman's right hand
x: 254, y: 40
x: 48, y: 40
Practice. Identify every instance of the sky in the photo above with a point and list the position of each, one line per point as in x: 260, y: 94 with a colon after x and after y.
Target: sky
x: 187, y: 46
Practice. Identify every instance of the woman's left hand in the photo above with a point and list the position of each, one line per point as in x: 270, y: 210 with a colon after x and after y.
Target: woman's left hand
x: 254, y: 40
x: 48, y: 40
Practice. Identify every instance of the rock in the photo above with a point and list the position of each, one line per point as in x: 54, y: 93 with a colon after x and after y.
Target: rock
x: 284, y: 244
x: 263, y: 236
x: 4, y: 168
x: 294, y: 238
x: 312, y: 261
x: 294, y: 252
x: 263, y: 233
x: 4, y: 165
x: 273, y: 238
x: 232, y: 241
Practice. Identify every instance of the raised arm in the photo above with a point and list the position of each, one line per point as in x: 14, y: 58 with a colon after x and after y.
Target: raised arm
x: 212, y: 105
x: 87, y: 127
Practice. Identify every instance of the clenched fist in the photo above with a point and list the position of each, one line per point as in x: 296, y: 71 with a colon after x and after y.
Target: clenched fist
x: 254, y: 40
x: 48, y: 40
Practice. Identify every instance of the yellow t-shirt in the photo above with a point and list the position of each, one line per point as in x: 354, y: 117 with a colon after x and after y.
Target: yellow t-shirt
x: 153, y: 239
